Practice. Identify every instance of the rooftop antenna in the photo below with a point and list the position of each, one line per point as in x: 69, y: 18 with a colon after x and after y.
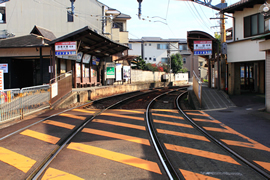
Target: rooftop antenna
x: 140, y: 2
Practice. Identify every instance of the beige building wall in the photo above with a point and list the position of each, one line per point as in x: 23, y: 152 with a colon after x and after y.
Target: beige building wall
x: 22, y: 15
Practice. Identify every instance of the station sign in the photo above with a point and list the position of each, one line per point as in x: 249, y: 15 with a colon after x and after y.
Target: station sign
x: 1, y: 80
x: 68, y: 48
x: 202, y: 47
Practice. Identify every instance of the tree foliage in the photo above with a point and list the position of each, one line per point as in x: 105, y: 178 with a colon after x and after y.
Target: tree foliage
x: 176, y: 63
x: 139, y: 63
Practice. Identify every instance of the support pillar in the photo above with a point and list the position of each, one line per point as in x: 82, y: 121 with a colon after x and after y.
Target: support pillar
x: 267, y: 81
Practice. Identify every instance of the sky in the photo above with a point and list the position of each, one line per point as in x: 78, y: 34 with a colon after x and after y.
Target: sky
x: 168, y: 18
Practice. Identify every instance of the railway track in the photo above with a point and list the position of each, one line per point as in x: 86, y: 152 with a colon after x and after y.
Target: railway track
x: 138, y: 135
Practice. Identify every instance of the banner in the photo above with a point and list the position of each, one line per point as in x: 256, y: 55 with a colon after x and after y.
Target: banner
x: 118, y: 72
x: 126, y: 72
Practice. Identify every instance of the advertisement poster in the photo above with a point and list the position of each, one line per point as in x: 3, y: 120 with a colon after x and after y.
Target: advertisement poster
x: 54, y: 89
x: 110, y: 70
x: 95, y: 60
x: 4, y: 67
x: 93, y: 72
x: 1, y: 80
x: 78, y: 70
x: 118, y: 72
x: 86, y: 58
x: 83, y: 70
x: 126, y: 72
x: 79, y: 57
x: 87, y: 72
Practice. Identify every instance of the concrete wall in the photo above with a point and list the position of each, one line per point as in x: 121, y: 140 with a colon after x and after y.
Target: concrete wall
x: 22, y: 15
x: 94, y: 94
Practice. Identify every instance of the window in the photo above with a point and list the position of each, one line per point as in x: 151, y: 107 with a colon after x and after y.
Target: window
x: 118, y: 25
x: 145, y: 44
x: 2, y: 15
x: 150, y: 58
x: 154, y: 59
x: 162, y: 46
x: 130, y: 46
x: 183, y: 47
x: 184, y: 60
x: 201, y: 64
x: 70, y: 17
x: 254, y: 25
x: 149, y: 44
x: 164, y: 60
x: 145, y: 58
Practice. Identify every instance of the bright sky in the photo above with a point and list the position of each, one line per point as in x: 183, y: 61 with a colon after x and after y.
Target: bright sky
x: 174, y: 19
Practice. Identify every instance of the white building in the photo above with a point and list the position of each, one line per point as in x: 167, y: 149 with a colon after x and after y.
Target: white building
x: 155, y: 50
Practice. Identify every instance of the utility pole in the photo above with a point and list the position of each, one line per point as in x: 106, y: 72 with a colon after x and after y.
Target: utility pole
x: 140, y: 7
x: 222, y: 64
x: 169, y: 58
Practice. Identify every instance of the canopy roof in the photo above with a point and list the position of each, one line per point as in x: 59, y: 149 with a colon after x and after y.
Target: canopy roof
x: 91, y: 42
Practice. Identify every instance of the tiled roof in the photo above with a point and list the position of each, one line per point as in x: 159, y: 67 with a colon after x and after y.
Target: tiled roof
x: 22, y: 41
x: 239, y: 6
x: 43, y: 32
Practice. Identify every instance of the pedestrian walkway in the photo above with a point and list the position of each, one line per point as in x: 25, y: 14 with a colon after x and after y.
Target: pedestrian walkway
x: 215, y: 99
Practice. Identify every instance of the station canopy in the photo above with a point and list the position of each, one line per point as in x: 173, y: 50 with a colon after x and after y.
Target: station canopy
x: 91, y: 42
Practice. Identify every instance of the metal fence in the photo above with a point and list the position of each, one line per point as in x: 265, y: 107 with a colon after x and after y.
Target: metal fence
x: 15, y: 103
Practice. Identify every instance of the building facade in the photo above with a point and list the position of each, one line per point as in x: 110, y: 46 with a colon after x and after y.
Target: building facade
x: 156, y: 50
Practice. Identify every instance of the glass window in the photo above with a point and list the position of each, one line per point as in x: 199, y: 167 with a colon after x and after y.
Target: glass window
x: 150, y: 58
x: 254, y: 25
x: 164, y: 60
x: 2, y: 14
x: 145, y: 58
x: 130, y: 46
x: 154, y: 59
x: 118, y: 25
x: 184, y: 60
x: 162, y: 46
x: 183, y: 47
x: 149, y: 44
x: 70, y: 16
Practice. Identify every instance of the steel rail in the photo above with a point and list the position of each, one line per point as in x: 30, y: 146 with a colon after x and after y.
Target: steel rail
x: 44, y: 165
x: 157, y: 144
x: 53, y: 115
x: 259, y: 170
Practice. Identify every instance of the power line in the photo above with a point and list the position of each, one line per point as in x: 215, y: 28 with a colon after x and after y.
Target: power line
x: 167, y: 9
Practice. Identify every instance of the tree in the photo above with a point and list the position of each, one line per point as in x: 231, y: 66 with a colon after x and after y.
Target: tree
x: 176, y: 63
x: 139, y: 63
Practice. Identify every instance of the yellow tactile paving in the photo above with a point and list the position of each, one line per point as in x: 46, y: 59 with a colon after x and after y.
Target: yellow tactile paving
x: 59, y: 124
x: 118, y: 157
x: 16, y: 160
x: 189, y: 175
x: 201, y: 153
x: 246, y: 144
x: 265, y: 165
x: 173, y: 123
x: 191, y: 136
x: 166, y: 115
x: 52, y: 173
x: 72, y: 116
x: 117, y: 136
x: 119, y: 124
x: 41, y: 136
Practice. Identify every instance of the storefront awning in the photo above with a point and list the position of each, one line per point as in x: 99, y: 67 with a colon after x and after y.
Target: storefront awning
x: 91, y: 42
